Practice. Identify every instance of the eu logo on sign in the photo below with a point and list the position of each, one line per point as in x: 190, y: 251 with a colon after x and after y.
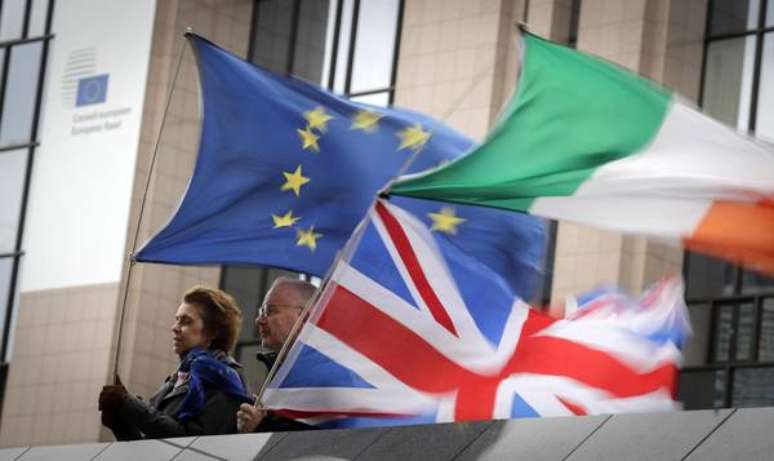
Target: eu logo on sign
x: 92, y: 90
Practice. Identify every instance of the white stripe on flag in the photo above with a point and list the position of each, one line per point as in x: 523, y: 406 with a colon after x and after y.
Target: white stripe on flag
x: 341, y: 400
x: 437, y: 274
x: 367, y: 369
x: 542, y: 393
x: 666, y: 189
x: 667, y: 219
x: 388, y: 388
x: 426, y: 327
x: 692, y: 157
x: 634, y: 350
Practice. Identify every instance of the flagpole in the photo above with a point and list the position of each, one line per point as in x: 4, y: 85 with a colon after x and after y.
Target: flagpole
x: 305, y: 312
x: 478, y: 78
x: 295, y: 330
x: 130, y: 257
x: 385, y: 191
x: 290, y: 340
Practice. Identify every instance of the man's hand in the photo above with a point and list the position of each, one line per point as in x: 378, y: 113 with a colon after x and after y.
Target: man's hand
x: 248, y: 417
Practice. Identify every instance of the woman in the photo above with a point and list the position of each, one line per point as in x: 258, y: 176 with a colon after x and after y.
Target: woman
x: 203, y: 396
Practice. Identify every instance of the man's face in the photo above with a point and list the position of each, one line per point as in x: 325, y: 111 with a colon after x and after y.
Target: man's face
x: 279, y: 312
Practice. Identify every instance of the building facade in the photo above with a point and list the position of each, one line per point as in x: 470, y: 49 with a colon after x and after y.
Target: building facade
x: 113, y: 87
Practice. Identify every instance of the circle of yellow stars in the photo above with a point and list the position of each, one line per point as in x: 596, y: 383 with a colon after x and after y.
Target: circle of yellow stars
x: 412, y: 137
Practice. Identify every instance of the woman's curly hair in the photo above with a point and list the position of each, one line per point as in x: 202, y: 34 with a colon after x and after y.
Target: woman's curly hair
x: 220, y: 313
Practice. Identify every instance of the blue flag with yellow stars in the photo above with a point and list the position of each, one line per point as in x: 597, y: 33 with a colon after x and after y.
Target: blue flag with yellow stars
x: 286, y: 171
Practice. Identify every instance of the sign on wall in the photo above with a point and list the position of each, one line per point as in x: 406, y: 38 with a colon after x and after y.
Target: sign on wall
x: 83, y: 173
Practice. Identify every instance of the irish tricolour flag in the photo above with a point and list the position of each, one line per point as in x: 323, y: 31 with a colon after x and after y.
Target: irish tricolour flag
x: 587, y: 141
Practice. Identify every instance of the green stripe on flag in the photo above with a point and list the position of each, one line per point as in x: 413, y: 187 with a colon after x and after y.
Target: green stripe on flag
x: 571, y: 114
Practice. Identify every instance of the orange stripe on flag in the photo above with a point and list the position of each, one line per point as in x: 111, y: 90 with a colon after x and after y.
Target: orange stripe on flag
x: 742, y: 233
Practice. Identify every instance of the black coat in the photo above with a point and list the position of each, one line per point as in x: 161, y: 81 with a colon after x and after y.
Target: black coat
x: 137, y: 419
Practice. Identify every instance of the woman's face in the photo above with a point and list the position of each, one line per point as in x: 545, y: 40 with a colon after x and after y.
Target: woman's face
x: 188, y: 330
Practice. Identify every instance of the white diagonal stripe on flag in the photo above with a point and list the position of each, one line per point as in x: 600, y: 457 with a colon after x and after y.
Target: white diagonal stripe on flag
x: 640, y: 354
x: 424, y: 325
x: 441, y: 281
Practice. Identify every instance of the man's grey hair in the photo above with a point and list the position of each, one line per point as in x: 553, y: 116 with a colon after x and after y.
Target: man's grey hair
x: 302, y: 288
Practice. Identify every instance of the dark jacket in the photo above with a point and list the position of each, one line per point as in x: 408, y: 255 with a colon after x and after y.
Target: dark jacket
x: 273, y: 422
x: 138, y: 419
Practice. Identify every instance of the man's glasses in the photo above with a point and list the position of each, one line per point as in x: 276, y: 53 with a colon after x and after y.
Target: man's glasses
x: 268, y: 310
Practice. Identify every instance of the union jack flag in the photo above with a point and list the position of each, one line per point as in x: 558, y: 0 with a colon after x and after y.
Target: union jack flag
x: 411, y: 330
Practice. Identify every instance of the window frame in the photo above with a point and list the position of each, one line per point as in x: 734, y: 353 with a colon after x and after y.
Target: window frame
x: 737, y: 296
x: 349, y: 69
x: 758, y: 32
x: 31, y: 146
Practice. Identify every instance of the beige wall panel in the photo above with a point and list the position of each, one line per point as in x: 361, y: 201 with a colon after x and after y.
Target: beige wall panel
x: 447, y: 66
x: 155, y: 290
x: 662, y: 40
x: 60, y: 361
x: 65, y: 341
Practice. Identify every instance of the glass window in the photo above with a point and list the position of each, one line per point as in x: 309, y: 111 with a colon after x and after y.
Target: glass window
x: 741, y: 331
x: 695, y: 349
x: 310, y: 41
x: 38, y: 18
x: 724, y: 330
x: 708, y: 277
x: 728, y: 80
x: 271, y: 38
x: 753, y: 283
x: 764, y: 126
x: 729, y: 16
x: 374, y: 45
x: 745, y: 331
x: 20, y: 92
x: 766, y: 338
x: 246, y: 284
x: 753, y: 387
x: 13, y: 165
x: 376, y: 99
x: 12, y: 21
x: 6, y: 265
x: 330, y: 30
x: 701, y: 389
x: 342, y: 53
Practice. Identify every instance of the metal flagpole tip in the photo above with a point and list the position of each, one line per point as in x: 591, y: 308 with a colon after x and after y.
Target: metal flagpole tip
x: 522, y: 26
x: 188, y: 31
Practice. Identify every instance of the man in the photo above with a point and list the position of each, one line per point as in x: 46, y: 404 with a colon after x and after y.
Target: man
x: 280, y: 310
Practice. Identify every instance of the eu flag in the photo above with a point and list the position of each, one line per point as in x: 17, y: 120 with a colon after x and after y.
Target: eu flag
x: 287, y: 170
x: 92, y: 90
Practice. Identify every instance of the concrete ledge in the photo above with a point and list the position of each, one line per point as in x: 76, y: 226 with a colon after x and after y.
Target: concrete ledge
x: 706, y: 434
